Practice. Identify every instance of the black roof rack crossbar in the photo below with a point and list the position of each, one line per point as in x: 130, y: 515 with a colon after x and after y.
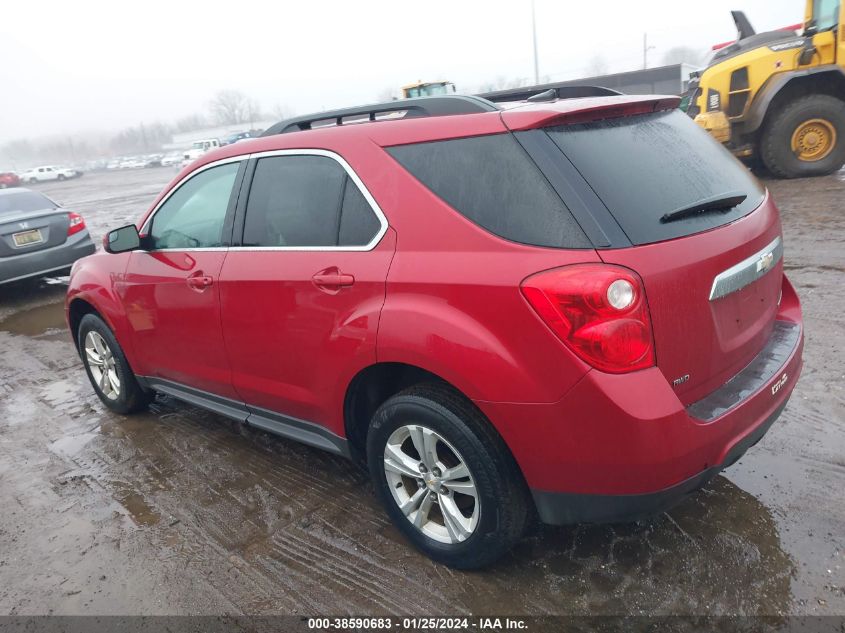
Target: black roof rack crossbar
x: 560, y: 92
x: 412, y: 108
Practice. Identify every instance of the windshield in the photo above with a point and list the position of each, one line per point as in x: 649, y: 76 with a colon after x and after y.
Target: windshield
x: 24, y: 202
x: 826, y: 14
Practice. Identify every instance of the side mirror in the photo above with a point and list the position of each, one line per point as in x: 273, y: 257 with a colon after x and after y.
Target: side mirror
x: 121, y: 240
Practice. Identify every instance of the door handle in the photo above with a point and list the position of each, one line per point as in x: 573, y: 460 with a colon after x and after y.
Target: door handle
x: 332, y: 280
x: 198, y: 281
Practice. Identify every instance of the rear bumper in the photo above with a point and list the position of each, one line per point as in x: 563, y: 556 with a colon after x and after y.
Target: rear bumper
x: 619, y: 447
x: 558, y: 508
x: 38, y: 263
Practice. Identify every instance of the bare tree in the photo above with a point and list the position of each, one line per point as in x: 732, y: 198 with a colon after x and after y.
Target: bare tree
x: 190, y: 123
x: 682, y: 55
x: 280, y: 112
x: 252, y: 110
x: 597, y: 66
x: 230, y: 107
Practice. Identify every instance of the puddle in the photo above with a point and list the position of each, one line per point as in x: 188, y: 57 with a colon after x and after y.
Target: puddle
x: 138, y: 508
x: 46, y: 319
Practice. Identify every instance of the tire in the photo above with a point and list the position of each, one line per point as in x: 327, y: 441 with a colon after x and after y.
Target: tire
x: 60, y: 178
x: 128, y: 397
x: 492, y: 520
x: 33, y: 181
x: 3, y: 185
x: 776, y: 142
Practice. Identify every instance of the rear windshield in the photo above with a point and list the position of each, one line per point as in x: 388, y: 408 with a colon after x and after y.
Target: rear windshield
x: 24, y: 202
x: 643, y: 167
x: 492, y: 181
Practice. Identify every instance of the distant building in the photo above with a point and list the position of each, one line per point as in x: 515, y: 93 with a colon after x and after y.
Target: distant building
x: 666, y: 80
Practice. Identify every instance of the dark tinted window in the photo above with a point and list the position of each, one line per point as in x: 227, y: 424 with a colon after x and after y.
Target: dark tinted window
x: 358, y: 223
x: 493, y: 182
x: 194, y: 215
x: 24, y: 202
x: 297, y: 201
x: 294, y: 201
x: 643, y: 167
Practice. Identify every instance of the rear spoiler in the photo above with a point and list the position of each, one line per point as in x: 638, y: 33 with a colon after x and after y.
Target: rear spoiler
x: 584, y: 110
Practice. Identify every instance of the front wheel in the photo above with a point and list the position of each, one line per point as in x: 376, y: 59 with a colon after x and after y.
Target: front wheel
x: 805, y: 138
x: 446, y: 478
x: 107, y: 367
x: 61, y: 177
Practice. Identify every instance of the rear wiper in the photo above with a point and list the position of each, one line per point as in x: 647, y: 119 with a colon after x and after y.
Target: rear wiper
x: 721, y: 202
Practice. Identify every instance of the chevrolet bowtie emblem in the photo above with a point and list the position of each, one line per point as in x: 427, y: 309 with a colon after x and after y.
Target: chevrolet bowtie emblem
x: 765, y: 262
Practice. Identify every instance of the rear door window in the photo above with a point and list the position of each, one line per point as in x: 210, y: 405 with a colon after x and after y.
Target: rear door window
x: 642, y: 167
x: 306, y: 201
x: 491, y: 181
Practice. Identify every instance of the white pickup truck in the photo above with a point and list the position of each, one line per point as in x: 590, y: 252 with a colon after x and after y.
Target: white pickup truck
x: 198, y: 148
x: 49, y: 172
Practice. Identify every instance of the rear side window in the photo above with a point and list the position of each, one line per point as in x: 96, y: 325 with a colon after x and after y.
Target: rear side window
x: 306, y: 201
x: 642, y: 167
x: 491, y: 181
x: 358, y: 223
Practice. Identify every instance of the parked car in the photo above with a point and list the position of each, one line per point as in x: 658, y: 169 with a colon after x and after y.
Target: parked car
x: 172, y: 160
x: 573, y: 309
x: 238, y: 136
x: 49, y: 172
x: 8, y: 179
x: 37, y: 236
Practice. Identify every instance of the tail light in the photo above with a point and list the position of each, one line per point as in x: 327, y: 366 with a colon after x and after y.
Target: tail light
x: 76, y: 223
x: 599, y: 311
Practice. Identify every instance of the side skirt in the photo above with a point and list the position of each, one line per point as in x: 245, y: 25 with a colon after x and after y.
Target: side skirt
x: 279, y: 424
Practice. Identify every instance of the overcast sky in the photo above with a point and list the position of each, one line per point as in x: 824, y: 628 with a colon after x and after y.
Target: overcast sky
x: 99, y: 65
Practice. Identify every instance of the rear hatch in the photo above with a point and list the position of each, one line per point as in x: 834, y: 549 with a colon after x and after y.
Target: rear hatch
x: 674, y: 206
x: 29, y: 222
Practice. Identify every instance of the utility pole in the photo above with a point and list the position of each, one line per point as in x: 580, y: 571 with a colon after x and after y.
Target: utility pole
x: 646, y: 49
x: 534, y: 33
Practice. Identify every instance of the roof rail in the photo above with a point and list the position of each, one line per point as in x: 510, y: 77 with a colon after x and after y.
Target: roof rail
x: 560, y: 92
x: 410, y: 108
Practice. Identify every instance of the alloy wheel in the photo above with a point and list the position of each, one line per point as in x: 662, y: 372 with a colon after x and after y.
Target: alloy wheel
x: 431, y: 484
x: 101, y: 362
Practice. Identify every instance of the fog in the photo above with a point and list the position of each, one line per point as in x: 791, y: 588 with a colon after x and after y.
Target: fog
x: 96, y: 67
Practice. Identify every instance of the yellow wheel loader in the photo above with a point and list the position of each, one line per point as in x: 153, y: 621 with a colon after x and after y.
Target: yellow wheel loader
x: 427, y: 89
x: 779, y: 97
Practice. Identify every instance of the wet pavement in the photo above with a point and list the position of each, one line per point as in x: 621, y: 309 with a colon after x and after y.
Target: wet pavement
x: 179, y: 511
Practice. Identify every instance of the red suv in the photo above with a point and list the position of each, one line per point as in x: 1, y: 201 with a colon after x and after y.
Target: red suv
x: 569, y: 308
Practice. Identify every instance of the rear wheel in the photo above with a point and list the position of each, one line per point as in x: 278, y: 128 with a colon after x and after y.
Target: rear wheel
x: 805, y: 138
x: 446, y: 478
x: 107, y: 367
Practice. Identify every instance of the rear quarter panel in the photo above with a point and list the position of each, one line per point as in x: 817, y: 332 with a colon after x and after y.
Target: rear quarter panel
x: 454, y: 305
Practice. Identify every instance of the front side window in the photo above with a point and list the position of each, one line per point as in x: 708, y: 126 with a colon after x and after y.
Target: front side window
x: 306, y: 201
x: 193, y: 217
x: 826, y: 14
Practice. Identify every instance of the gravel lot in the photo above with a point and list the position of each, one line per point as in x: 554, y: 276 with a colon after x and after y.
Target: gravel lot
x: 179, y: 511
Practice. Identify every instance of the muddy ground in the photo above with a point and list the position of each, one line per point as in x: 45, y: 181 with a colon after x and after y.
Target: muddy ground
x: 178, y: 511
